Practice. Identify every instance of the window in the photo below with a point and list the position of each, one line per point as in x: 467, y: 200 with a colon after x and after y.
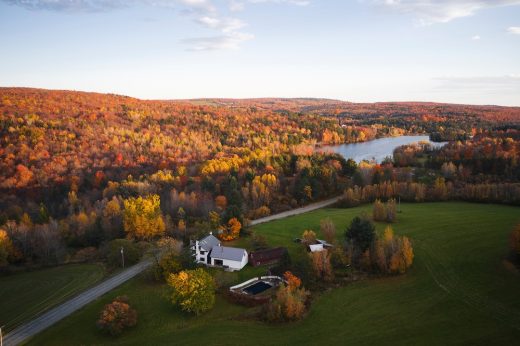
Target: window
x: 201, y: 259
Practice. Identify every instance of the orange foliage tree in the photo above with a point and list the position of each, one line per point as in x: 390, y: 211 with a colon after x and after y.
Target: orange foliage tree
x: 290, y: 301
x: 117, y: 316
x: 231, y: 231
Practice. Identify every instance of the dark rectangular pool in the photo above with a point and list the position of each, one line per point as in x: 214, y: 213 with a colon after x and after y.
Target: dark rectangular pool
x: 257, y: 287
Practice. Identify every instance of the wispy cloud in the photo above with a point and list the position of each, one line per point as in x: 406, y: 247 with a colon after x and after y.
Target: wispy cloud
x: 210, y: 14
x: 70, y: 5
x: 515, y: 30
x: 229, y: 41
x: 428, y: 12
x: 476, y: 38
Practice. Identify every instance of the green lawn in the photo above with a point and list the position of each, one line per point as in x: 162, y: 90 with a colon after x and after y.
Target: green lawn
x: 24, y: 295
x: 457, y: 292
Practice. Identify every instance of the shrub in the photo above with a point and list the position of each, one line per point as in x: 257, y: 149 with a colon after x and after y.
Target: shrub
x: 385, y: 212
x: 328, y: 229
x: 392, y: 254
x: 290, y: 301
x: 117, y: 316
x: 168, y: 264
x: 321, y: 265
x: 309, y: 237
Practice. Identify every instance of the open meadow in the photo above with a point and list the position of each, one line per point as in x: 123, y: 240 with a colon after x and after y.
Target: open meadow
x: 25, y: 295
x: 458, y: 291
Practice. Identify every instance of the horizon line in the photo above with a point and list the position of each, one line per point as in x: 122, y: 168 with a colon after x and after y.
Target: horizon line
x: 260, y: 98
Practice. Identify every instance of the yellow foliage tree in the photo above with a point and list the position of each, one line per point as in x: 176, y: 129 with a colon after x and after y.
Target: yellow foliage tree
x: 143, y: 218
x: 321, y: 265
x: 6, y: 248
x: 309, y: 237
x: 192, y: 290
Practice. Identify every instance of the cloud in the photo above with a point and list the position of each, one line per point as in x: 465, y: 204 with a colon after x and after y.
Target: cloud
x: 70, y: 5
x: 206, y: 13
x: 229, y: 41
x: 476, y: 38
x: 428, y: 12
x: 226, y: 25
x: 515, y: 30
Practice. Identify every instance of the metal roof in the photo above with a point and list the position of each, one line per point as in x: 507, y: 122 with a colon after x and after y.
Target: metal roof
x: 209, y: 242
x: 228, y: 253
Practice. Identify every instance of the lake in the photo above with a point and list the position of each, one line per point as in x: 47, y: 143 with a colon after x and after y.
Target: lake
x: 376, y: 149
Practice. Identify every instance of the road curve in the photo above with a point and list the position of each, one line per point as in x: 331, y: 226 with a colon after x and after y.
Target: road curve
x: 24, y: 332
x: 298, y: 211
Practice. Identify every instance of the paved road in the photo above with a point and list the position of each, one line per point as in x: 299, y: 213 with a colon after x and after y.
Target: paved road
x: 24, y: 332
x: 52, y: 316
x: 298, y: 211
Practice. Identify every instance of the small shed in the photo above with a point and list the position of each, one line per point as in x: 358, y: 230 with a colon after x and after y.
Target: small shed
x: 316, y: 247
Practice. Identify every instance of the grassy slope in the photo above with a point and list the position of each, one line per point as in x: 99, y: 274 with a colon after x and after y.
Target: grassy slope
x: 458, y: 291
x: 26, y: 294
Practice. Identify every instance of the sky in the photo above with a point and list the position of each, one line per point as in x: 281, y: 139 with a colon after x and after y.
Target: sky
x: 455, y: 51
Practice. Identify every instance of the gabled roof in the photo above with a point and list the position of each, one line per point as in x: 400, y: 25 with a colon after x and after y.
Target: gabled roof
x: 228, y: 253
x: 209, y: 242
x: 324, y: 243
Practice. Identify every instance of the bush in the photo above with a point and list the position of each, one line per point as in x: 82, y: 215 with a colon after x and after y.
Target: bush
x: 117, y: 316
x: 392, y: 254
x: 168, y: 264
x: 385, y: 212
x: 290, y: 301
x: 112, y: 252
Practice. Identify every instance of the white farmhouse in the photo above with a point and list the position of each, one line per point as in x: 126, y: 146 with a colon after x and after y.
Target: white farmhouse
x: 209, y: 251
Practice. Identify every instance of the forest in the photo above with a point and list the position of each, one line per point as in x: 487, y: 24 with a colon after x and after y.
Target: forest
x: 74, y: 165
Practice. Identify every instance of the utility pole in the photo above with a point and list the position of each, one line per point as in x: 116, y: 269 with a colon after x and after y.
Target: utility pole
x: 122, y: 259
x: 1, y: 337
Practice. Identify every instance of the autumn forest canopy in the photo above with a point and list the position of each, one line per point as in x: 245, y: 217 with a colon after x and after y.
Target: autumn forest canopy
x: 86, y: 168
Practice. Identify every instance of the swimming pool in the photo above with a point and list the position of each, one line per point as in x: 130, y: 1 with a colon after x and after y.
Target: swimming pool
x: 257, y: 287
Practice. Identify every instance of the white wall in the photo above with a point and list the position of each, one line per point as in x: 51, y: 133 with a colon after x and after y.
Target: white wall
x: 234, y: 265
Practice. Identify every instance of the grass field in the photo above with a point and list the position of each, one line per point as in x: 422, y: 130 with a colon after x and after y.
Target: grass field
x: 24, y: 295
x: 457, y: 292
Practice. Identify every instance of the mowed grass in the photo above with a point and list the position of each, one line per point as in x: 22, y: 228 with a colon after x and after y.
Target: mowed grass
x: 457, y: 292
x: 24, y: 295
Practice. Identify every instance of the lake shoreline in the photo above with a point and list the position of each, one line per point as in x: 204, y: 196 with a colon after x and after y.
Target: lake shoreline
x: 377, y: 149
